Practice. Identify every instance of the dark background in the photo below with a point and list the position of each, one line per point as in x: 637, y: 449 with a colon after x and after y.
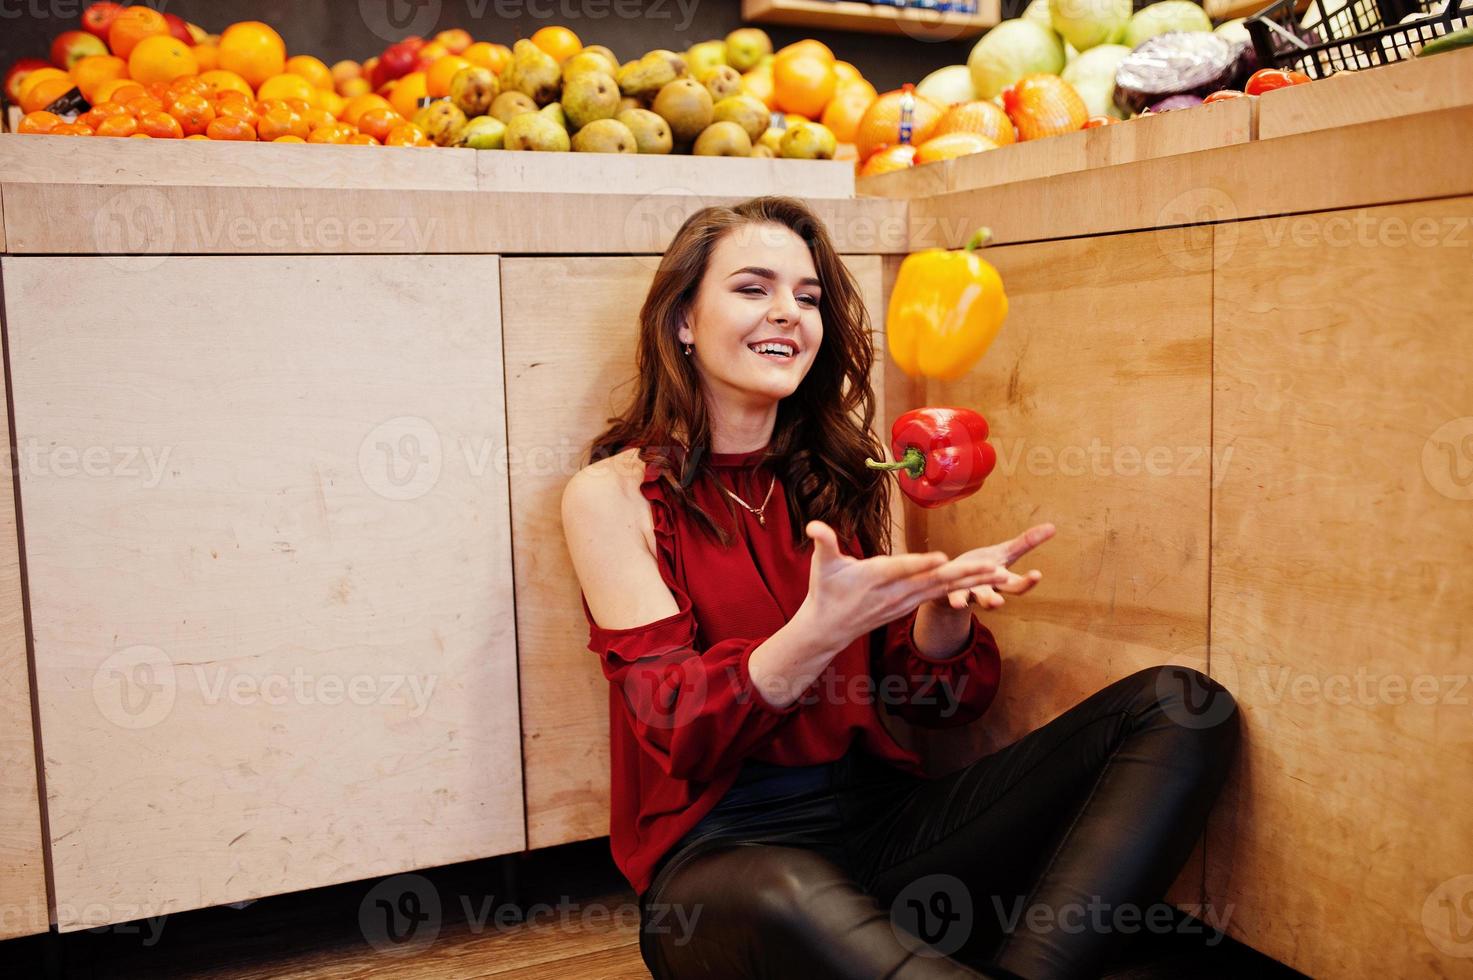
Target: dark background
x: 358, y: 29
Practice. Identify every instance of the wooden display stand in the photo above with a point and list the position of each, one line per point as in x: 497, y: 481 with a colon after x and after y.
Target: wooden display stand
x: 255, y: 442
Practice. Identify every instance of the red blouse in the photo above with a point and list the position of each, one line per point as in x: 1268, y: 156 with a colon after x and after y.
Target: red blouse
x: 683, y: 711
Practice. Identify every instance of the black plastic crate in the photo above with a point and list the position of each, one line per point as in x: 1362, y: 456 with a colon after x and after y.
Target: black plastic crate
x: 1354, y: 35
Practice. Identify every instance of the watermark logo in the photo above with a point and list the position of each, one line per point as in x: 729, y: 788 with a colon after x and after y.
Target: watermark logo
x: 933, y: 915
x: 136, y: 687
x: 401, y: 458
x: 401, y: 915
x: 1447, y: 916
x: 135, y: 230
x: 1199, y: 227
x: 1447, y: 459
x: 393, y: 20
x: 1189, y: 696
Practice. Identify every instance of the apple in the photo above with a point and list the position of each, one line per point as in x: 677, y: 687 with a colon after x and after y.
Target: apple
x: 17, y: 73
x: 179, y: 28
x: 97, y: 18
x: 71, y: 47
x: 396, y: 62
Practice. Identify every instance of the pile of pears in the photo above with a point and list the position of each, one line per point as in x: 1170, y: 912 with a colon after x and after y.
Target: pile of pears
x: 662, y: 102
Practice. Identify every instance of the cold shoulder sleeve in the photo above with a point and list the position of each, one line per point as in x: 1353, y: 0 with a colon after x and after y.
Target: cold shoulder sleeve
x: 693, y: 709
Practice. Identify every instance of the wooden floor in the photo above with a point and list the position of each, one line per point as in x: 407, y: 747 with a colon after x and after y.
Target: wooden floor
x: 456, y: 924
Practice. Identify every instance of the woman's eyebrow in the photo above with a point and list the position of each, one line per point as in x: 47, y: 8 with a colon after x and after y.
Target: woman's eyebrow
x: 758, y: 270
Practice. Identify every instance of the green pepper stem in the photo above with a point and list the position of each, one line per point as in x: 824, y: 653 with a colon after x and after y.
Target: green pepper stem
x: 914, y: 463
x: 979, y: 238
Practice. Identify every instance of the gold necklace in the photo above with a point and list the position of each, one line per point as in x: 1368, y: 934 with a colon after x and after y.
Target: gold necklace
x: 761, y: 521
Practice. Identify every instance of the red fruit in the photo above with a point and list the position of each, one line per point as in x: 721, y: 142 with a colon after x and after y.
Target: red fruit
x: 1268, y: 79
x: 1044, y: 105
x: 71, y: 47
x: 17, y: 73
x: 97, y: 18
x: 179, y: 28
x: 1223, y: 94
x: 396, y: 62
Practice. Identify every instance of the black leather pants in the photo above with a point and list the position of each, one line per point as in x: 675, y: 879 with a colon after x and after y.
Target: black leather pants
x: 1038, y: 861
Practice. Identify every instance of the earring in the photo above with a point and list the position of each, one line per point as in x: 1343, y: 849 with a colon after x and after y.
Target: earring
x: 687, y: 350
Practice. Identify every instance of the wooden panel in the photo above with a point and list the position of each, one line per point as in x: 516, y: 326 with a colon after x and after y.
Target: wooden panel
x: 270, y: 572
x: 59, y: 159
x: 847, y: 15
x: 1342, y: 540
x: 1097, y: 392
x: 1349, y: 97
x: 1417, y: 157
x: 571, y: 331
x: 153, y: 221
x: 22, y: 860
x: 1143, y: 138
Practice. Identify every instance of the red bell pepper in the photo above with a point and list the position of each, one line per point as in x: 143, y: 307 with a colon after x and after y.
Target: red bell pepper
x: 942, y: 455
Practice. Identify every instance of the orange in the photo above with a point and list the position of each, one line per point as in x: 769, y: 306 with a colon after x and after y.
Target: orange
x: 1044, y: 105
x: 808, y: 48
x: 888, y: 159
x: 437, y: 79
x: 428, y: 54
x: 559, y: 42
x: 236, y: 109
x: 345, y: 71
x: 92, y: 73
x: 378, y: 122
x: 38, y: 123
x: 355, y: 108
x: 160, y: 125
x: 407, y: 134
x: 803, y: 84
x: 983, y: 117
x: 161, y: 59
x: 122, y: 90
x: 881, y: 122
x: 220, y: 80
x: 288, y: 139
x: 41, y: 75
x: 226, y: 128
x: 131, y: 26
x: 406, y: 95
x: 186, y: 84
x: 316, y: 117
x: 950, y: 145
x: 124, y: 125
x: 354, y: 87
x: 758, y: 84
x: 208, y: 56
x: 362, y: 139
x: 276, y: 123
x: 140, y: 136
x: 197, y: 136
x: 102, y: 112
x: 853, y: 87
x: 843, y: 113
x: 847, y: 72
x: 72, y: 129
x: 313, y: 70
x: 41, y: 94
x: 253, y: 51
x: 326, y: 98
x: 455, y: 40
x: 284, y: 86
x: 194, y: 113
x: 333, y: 133
x: 144, y: 104
x: 488, y: 55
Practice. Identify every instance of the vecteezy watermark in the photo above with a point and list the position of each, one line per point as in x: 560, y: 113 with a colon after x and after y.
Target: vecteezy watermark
x: 117, y: 918
x: 145, y: 464
x: 401, y: 458
x: 1100, y: 917
x: 1447, y: 916
x: 393, y: 20
x: 63, y: 9
x: 1198, y: 689
x: 1447, y: 459
x: 405, y: 913
x: 1101, y: 459
x: 137, y: 687
x: 933, y: 915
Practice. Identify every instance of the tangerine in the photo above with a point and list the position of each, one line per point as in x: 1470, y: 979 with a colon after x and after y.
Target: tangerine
x: 38, y: 76
x: 288, y: 139
x: 407, y: 93
x: 253, y: 51
x: 122, y: 90
x: 407, y: 134
x: 72, y: 129
x: 355, y: 109
x: 236, y: 109
x: 229, y: 128
x: 282, y: 121
x: 161, y: 58
x: 880, y: 124
x: 196, y: 136
x: 354, y: 87
x: 144, y: 104
x: 560, y: 42
x: 41, y: 94
x: 92, y: 73
x: 38, y: 123
x: 378, y: 122
x: 160, y: 125
x: 331, y: 133
x: 131, y: 26
x: 362, y: 139
x: 124, y: 125
x: 219, y: 80
x: 101, y: 112
x: 887, y: 159
x: 194, y: 113
x: 284, y: 86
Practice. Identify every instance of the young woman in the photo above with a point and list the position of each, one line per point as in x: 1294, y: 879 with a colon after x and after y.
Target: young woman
x: 733, y: 554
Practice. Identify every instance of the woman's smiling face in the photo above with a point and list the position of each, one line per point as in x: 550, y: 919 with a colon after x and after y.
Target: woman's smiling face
x: 760, y: 285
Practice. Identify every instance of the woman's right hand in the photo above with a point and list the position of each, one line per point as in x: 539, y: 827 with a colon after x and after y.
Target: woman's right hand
x: 848, y: 597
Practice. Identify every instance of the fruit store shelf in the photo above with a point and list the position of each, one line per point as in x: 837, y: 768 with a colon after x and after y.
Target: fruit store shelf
x: 845, y: 15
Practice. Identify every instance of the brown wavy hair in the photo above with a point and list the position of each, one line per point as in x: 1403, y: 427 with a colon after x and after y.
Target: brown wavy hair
x: 821, y: 436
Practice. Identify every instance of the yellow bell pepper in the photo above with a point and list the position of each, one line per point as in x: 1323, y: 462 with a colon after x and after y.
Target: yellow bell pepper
x: 945, y: 310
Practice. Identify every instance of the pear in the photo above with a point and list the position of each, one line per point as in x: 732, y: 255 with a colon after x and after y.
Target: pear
x: 588, y: 96
x: 532, y: 72
x: 723, y: 139
x: 686, y: 106
x: 772, y: 138
x: 534, y: 131
x: 605, y: 136
x: 746, y: 46
x: 702, y: 57
x: 510, y: 104
x: 484, y: 133
x: 554, y: 111
x: 677, y: 62
x: 608, y: 54
x: 587, y: 60
x: 746, y: 111
x: 630, y: 102
x: 721, y: 81
x: 648, y: 75
x: 442, y: 121
x: 763, y: 150
x: 808, y: 141
x: 651, y: 133
x: 473, y: 88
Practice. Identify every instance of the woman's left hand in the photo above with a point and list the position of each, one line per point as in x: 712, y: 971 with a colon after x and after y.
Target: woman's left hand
x: 1004, y: 554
